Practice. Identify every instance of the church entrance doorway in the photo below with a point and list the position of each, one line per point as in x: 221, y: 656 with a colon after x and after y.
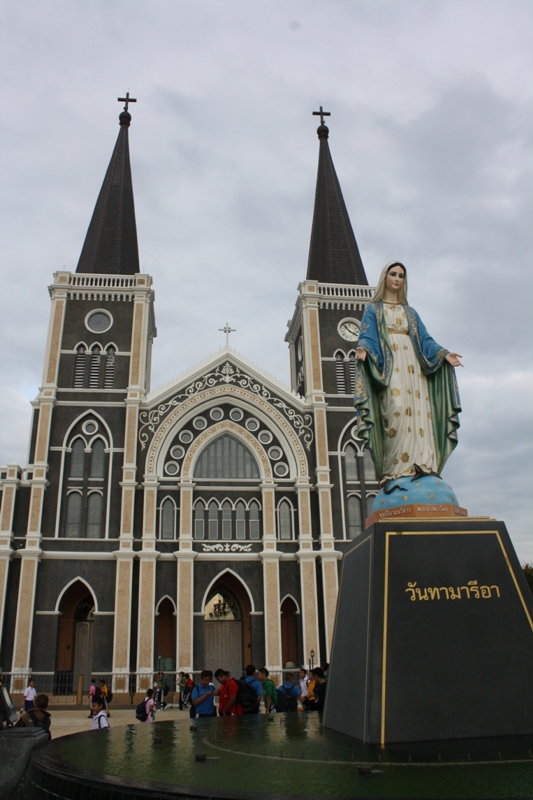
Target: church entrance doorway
x: 289, y: 633
x: 75, y: 639
x: 227, y: 627
x: 165, y: 636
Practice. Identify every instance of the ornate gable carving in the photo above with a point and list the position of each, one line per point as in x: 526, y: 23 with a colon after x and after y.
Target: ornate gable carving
x: 224, y: 377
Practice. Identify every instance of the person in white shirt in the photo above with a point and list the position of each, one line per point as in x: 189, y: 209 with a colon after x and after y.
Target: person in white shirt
x: 100, y: 719
x: 303, y: 682
x: 29, y: 695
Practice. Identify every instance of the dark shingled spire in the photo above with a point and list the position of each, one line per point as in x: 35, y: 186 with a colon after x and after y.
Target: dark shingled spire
x: 333, y: 253
x: 111, y: 243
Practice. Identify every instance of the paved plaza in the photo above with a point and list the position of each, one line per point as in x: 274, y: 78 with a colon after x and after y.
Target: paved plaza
x: 76, y: 720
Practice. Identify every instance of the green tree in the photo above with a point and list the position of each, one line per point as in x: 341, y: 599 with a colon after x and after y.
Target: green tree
x: 528, y: 572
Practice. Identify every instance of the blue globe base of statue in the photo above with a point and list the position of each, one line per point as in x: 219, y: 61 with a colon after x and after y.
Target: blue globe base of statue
x: 411, y: 490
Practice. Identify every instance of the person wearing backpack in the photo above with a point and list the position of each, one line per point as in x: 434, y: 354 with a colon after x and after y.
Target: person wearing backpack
x: 99, y: 715
x: 251, y: 692
x: 288, y: 694
x: 270, y: 694
x: 202, y: 696
x: 38, y: 716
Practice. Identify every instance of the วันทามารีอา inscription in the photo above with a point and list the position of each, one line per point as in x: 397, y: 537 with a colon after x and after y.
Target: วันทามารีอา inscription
x: 469, y: 592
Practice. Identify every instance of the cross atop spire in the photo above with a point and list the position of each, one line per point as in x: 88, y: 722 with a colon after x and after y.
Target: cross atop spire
x: 227, y: 330
x: 322, y: 114
x: 333, y: 253
x: 127, y: 100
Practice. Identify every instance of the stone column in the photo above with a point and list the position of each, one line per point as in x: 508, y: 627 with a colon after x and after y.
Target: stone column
x: 271, y: 594
x: 306, y: 557
x: 9, y: 492
x: 143, y: 297
x: 185, y: 581
x: 147, y: 580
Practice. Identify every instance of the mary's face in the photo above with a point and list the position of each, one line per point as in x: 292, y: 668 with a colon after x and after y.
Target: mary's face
x: 395, y: 279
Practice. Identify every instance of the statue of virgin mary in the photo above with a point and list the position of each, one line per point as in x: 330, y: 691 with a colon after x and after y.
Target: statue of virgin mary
x: 406, y: 393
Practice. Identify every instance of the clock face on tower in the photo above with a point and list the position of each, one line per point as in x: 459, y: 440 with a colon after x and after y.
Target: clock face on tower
x: 349, y: 329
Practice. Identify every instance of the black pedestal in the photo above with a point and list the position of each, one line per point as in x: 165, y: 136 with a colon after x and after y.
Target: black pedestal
x: 433, y: 636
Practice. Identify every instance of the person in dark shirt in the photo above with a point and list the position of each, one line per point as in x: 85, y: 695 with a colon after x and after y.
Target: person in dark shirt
x: 320, y: 691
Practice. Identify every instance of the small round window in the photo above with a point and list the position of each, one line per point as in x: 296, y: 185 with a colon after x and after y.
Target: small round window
x: 275, y: 453
x: 172, y: 468
x: 252, y: 424
x: 216, y: 414
x: 177, y: 451
x: 200, y: 423
x: 236, y: 414
x: 90, y: 427
x: 265, y: 437
x: 98, y: 321
x: 281, y: 470
x: 186, y: 437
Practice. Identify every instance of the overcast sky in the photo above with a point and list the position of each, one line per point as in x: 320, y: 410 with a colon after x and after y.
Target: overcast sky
x: 431, y: 136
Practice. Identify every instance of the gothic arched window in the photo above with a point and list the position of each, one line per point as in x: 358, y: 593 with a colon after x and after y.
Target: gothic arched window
x: 254, y: 518
x: 350, y: 463
x: 285, y: 521
x: 167, y: 524
x: 240, y: 520
x: 86, y: 468
x: 97, y: 467
x: 94, y: 515
x: 199, y: 520
x: 73, y: 522
x: 226, y: 520
x: 355, y: 525
x: 212, y: 518
x: 77, y: 459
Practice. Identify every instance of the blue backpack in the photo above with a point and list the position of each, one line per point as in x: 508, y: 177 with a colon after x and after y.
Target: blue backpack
x: 286, y: 700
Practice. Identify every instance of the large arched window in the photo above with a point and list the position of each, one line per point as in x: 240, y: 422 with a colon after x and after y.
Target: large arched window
x: 227, y: 458
x: 86, y: 469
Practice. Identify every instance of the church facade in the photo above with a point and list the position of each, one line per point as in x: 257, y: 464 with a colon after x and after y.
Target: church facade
x: 199, y: 525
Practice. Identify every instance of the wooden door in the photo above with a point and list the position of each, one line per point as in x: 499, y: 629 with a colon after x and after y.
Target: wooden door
x: 223, y: 646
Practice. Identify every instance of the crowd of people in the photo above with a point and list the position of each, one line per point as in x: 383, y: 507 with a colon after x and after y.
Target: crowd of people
x: 254, y: 692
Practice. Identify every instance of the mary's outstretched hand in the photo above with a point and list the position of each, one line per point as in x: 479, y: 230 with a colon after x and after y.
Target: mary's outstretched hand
x: 360, y: 354
x: 453, y: 359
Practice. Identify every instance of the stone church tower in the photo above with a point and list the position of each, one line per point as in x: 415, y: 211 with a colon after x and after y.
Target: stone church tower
x: 199, y: 525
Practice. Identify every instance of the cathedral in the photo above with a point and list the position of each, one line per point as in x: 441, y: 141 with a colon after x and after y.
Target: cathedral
x: 198, y: 525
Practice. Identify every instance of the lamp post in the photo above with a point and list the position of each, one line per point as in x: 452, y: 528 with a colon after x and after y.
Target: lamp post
x: 312, y: 659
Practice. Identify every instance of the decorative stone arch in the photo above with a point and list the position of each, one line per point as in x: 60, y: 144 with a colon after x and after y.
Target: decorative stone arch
x: 227, y: 642
x: 202, y: 401
x: 90, y: 412
x: 67, y: 587
x: 218, y: 579
x: 289, y: 596
x: 165, y: 597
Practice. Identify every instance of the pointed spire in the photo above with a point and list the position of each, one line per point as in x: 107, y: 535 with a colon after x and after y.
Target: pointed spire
x: 333, y: 253
x: 110, y: 246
